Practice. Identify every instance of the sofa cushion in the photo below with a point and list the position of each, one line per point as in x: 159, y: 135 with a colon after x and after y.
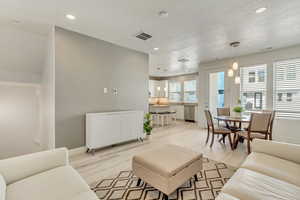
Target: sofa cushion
x: 167, y: 160
x: 2, y: 188
x: 251, y: 185
x: 62, y: 183
x: 272, y: 166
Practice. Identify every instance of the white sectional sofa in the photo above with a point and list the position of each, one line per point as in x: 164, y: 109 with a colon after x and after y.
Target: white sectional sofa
x: 42, y: 176
x: 270, y: 172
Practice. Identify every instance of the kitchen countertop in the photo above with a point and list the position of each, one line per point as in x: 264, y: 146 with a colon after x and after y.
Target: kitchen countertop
x: 173, y: 103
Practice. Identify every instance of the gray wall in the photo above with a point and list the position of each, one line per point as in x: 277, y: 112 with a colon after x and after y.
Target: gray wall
x: 84, y: 66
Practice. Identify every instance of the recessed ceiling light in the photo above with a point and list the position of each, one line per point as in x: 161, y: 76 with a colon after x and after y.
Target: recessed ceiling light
x: 70, y: 17
x: 260, y: 10
x: 155, y: 48
x: 163, y: 13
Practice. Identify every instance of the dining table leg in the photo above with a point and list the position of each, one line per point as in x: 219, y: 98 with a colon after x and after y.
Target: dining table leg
x: 222, y: 139
x: 236, y: 140
x: 230, y: 141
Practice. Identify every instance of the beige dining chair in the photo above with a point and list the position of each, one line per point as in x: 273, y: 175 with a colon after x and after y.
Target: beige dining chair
x: 215, y: 131
x: 223, y: 111
x: 273, y: 114
x: 258, y: 128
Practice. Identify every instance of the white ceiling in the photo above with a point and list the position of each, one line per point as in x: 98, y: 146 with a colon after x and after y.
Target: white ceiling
x: 199, y: 30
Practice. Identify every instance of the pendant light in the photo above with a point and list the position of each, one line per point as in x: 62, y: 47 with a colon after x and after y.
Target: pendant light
x: 237, y: 80
x: 230, y: 73
x: 235, y: 66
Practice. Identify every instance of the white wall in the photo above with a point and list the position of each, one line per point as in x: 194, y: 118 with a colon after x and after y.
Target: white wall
x: 285, y: 130
x: 23, y: 77
x: 22, y: 61
x: 48, y: 95
x: 19, y: 118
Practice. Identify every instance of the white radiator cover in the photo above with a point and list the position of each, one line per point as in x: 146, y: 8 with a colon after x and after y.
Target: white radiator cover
x: 108, y: 128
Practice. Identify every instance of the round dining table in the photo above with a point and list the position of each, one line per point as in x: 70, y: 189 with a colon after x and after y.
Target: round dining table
x: 237, y: 123
x: 234, y: 119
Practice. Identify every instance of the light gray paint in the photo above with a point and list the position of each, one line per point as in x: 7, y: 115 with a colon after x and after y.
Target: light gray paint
x: 19, y: 119
x: 84, y: 66
x: 48, y: 95
x: 22, y: 51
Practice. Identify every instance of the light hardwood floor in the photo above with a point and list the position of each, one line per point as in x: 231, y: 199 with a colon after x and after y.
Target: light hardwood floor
x: 110, y: 161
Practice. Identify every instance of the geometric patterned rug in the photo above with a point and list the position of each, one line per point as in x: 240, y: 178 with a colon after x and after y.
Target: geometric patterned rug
x: 210, y: 182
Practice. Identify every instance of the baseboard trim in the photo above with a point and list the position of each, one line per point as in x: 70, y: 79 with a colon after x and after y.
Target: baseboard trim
x: 76, y: 151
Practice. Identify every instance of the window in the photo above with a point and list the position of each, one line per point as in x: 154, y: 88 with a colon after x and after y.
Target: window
x: 174, y: 91
x: 261, y: 75
x: 289, y: 97
x: 253, y: 87
x: 258, y: 96
x: 279, y: 96
x: 286, y: 87
x: 251, y: 77
x: 190, y: 91
x: 291, y: 73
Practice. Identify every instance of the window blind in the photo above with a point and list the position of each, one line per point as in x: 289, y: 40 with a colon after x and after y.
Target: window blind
x: 286, y: 94
x: 253, y: 87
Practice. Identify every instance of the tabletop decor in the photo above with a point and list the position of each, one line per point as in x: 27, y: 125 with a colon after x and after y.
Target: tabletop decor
x: 238, y: 110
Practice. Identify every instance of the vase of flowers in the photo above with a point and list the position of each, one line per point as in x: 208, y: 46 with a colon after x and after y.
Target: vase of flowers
x: 147, y: 126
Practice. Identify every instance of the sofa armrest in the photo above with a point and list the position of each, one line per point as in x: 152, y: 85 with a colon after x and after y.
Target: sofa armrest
x: 281, y: 150
x: 18, y: 168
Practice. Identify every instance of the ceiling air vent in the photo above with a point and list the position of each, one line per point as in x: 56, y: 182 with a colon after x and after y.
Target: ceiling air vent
x: 143, y: 36
x: 183, y: 60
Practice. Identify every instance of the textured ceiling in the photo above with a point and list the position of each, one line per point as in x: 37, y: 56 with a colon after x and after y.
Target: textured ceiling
x: 199, y: 30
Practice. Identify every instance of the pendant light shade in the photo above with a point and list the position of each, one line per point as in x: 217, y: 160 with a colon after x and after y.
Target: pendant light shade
x: 237, y: 80
x: 230, y: 73
x: 235, y: 66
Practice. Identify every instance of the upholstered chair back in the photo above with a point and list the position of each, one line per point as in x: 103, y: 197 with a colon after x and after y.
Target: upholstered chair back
x: 260, y: 122
x: 223, y: 111
x: 209, y: 119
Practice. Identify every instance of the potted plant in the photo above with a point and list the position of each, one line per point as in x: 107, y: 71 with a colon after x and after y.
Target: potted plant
x: 147, y: 125
x: 238, y: 109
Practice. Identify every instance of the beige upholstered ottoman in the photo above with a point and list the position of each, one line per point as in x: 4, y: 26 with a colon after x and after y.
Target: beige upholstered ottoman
x: 167, y: 168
